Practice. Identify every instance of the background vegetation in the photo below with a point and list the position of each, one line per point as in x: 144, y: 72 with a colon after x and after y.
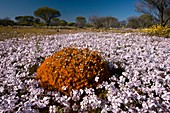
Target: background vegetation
x: 154, y: 13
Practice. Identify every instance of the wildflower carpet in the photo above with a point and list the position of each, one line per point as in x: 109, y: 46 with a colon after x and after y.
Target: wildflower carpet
x: 139, y: 81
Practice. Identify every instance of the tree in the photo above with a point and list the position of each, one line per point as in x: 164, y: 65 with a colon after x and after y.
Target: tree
x: 55, y: 21
x: 62, y: 23
x: 47, y: 14
x: 88, y: 25
x: 71, y: 24
x: 58, y: 22
x: 96, y: 21
x: 37, y: 20
x: 27, y: 20
x: 159, y: 9
x: 133, y: 22
x: 103, y: 22
x: 7, y: 22
x: 110, y: 22
x: 145, y: 21
x: 122, y: 23
x: 80, y: 21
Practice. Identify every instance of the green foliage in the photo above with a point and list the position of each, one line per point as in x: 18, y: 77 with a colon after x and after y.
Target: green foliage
x: 145, y: 21
x: 7, y: 22
x: 47, y: 14
x: 101, y: 93
x: 37, y: 46
x: 27, y: 20
x: 97, y: 110
x: 109, y: 22
x: 71, y: 24
x: 103, y: 22
x: 32, y: 69
x: 96, y: 21
x: 80, y: 21
x: 133, y: 22
x: 158, y: 9
x: 55, y: 21
x: 88, y: 25
x: 58, y: 22
x: 62, y: 23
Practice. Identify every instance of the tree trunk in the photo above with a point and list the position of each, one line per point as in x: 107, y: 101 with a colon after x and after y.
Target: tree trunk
x: 47, y: 23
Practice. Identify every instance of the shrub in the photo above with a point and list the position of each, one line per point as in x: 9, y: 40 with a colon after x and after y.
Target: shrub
x: 72, y: 68
x: 158, y: 31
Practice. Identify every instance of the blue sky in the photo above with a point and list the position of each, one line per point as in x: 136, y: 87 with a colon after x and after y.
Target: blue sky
x: 70, y: 9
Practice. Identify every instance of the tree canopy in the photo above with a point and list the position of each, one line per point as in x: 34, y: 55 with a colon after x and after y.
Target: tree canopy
x: 27, y: 20
x: 7, y: 21
x: 103, y: 22
x: 159, y: 9
x: 80, y: 21
x: 47, y: 14
x: 133, y: 22
x: 143, y: 21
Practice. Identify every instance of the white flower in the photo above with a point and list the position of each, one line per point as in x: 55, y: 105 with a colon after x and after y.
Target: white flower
x: 1, y: 89
x: 46, y: 98
x: 84, y: 103
x: 166, y: 96
x: 144, y: 104
x: 97, y: 79
x: 115, y: 66
x: 75, y: 92
x: 89, y: 91
x: 40, y: 105
x: 142, y: 56
x: 64, y: 87
x: 105, y: 109
x: 122, y: 79
x: 81, y: 91
x: 52, y: 109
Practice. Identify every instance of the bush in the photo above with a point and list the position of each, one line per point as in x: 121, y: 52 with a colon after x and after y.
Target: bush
x: 72, y: 68
x: 158, y: 31
x: 7, y: 22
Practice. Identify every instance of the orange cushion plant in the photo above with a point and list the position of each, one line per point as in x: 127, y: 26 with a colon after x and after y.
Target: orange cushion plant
x: 72, y: 68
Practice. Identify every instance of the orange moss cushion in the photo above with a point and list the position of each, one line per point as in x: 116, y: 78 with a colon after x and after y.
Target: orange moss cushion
x: 72, y: 68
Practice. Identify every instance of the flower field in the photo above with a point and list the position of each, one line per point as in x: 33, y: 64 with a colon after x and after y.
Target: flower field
x: 139, y: 82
